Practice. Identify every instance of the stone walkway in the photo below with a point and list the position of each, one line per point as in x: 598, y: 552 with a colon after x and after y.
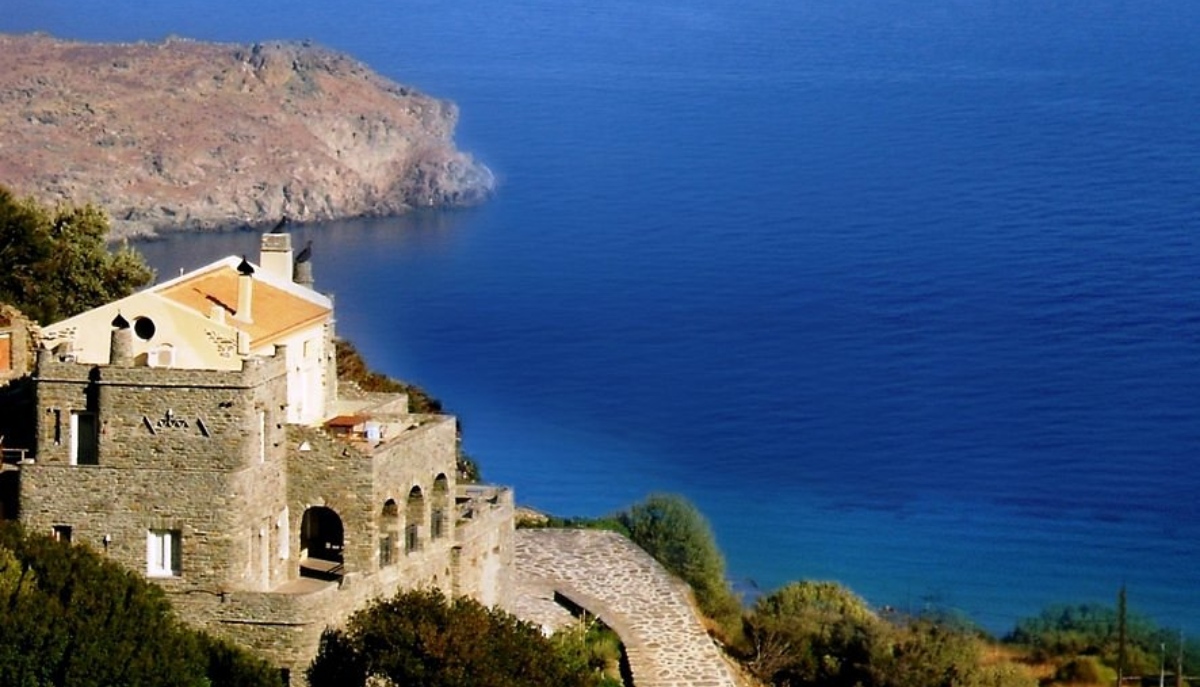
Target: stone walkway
x: 622, y: 585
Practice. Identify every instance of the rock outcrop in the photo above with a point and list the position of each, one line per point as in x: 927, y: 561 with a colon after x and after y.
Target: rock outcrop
x: 184, y: 135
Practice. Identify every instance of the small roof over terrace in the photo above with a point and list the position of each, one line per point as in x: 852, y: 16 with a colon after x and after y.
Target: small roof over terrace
x: 368, y: 424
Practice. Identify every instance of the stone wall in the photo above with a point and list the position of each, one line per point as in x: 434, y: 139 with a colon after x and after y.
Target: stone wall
x: 162, y: 418
x: 325, y: 472
x: 18, y: 339
x: 196, y: 452
x: 483, y: 557
x: 356, y: 480
x: 209, y: 455
x: 285, y: 626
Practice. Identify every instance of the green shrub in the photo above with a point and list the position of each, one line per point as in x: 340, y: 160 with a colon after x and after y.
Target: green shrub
x: 812, y: 633
x: 676, y: 534
x: 1085, y: 669
x: 592, y: 646
x: 70, y: 618
x: 421, y: 639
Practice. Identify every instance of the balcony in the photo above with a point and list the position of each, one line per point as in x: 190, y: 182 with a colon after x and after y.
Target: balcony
x: 15, y: 456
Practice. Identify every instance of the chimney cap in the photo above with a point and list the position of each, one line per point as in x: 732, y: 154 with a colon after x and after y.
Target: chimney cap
x: 244, y: 268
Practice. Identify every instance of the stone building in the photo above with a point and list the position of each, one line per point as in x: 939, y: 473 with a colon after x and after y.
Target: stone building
x: 18, y: 340
x: 195, y: 432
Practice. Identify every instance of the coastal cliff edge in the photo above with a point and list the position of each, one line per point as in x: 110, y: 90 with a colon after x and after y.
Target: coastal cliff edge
x: 187, y: 135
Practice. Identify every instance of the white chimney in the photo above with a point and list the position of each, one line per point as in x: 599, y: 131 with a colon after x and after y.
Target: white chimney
x: 276, y: 255
x: 245, y: 292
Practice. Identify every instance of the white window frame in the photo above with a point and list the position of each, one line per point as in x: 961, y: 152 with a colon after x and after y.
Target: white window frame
x: 75, y: 435
x: 281, y: 525
x: 262, y: 436
x: 163, y: 553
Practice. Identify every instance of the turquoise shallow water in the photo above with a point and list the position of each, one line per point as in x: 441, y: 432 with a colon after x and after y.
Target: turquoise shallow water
x: 901, y: 294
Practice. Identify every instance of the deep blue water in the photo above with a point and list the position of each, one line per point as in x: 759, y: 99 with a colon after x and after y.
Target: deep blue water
x: 902, y: 294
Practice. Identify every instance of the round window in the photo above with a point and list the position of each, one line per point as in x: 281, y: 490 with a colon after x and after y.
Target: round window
x: 144, y: 328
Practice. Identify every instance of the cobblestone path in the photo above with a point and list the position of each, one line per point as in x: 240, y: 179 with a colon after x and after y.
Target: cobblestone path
x: 622, y: 585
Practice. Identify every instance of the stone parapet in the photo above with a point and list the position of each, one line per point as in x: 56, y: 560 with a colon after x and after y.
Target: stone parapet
x: 484, y: 544
x: 614, y: 580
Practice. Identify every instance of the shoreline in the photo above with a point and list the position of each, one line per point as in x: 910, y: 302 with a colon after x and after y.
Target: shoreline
x: 185, y: 135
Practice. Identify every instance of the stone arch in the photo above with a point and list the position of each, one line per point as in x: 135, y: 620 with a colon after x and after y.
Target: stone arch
x: 389, y: 532
x: 439, y: 516
x: 322, y: 540
x: 414, y: 515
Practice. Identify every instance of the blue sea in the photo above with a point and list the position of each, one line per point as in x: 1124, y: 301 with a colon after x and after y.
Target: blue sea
x: 903, y: 294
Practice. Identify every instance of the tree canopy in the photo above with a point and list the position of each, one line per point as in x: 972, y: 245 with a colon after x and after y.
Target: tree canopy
x: 421, y: 639
x: 70, y: 618
x: 1069, y: 632
x: 56, y: 261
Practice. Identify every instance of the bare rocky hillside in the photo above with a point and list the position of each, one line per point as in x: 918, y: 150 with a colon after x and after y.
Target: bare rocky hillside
x: 183, y: 135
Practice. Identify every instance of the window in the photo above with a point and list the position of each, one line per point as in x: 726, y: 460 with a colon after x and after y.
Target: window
x: 162, y: 553
x: 61, y: 533
x: 283, y: 536
x: 412, y: 539
x: 262, y: 436
x: 84, y: 439
x: 390, y: 526
x: 437, y: 524
x: 144, y: 328
x: 385, y: 550
x: 162, y: 356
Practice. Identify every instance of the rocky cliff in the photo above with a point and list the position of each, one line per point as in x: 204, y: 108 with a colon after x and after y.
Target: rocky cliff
x: 183, y: 135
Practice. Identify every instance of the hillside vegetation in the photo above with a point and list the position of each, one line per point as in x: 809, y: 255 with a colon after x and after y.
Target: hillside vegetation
x: 820, y: 634
x: 70, y: 618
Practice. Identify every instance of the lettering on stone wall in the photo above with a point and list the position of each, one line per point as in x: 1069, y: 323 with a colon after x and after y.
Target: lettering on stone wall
x: 170, y: 420
x: 225, y: 346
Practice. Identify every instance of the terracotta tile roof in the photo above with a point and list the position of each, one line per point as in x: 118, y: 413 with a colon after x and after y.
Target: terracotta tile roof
x: 275, y: 311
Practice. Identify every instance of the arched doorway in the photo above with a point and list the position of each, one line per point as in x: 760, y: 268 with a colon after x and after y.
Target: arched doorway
x: 322, y: 539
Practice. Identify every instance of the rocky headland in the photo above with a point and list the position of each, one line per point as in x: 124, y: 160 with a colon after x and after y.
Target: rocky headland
x: 185, y: 135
